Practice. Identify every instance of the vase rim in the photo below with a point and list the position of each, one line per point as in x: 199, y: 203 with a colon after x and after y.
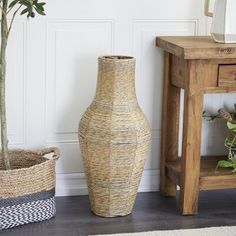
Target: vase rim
x: 117, y: 58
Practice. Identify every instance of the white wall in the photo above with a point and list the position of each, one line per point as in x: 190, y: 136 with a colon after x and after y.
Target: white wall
x: 52, y: 71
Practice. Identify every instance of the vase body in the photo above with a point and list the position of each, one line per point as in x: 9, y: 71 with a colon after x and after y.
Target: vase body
x: 114, y: 137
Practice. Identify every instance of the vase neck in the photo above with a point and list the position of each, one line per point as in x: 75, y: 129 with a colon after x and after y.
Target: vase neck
x: 116, y: 80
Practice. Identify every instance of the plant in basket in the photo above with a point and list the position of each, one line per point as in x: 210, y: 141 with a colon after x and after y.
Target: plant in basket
x: 27, y: 179
x: 230, y: 141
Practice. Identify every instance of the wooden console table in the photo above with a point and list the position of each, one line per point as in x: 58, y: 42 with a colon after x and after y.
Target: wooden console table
x: 198, y: 65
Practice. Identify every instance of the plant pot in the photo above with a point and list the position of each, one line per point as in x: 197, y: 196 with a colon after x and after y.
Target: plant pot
x: 27, y: 191
x: 114, y: 137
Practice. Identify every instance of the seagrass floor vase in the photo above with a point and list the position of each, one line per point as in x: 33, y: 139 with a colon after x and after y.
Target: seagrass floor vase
x: 114, y: 137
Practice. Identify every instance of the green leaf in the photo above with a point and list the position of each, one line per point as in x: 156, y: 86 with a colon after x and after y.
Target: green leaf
x: 234, y: 161
x: 13, y: 3
x: 26, y: 3
x: 41, y: 12
x: 234, y: 168
x: 224, y: 164
x: 24, y: 11
x: 40, y: 4
x: 39, y: 8
x: 31, y: 6
x: 231, y: 126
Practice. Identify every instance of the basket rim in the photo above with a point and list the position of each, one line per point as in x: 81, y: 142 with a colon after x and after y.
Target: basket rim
x: 47, y: 160
x: 116, y: 58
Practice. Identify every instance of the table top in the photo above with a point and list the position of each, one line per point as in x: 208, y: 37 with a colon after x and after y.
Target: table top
x: 196, y: 47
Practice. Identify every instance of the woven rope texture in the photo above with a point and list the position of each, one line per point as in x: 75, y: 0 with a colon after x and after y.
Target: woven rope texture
x: 114, y: 138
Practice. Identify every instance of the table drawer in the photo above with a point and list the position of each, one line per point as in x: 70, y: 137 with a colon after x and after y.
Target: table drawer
x: 227, y: 76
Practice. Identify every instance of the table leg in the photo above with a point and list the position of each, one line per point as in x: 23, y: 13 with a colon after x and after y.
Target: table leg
x: 191, y: 145
x: 170, y: 128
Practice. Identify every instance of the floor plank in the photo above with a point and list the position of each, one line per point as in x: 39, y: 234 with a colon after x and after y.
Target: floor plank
x: 152, y: 212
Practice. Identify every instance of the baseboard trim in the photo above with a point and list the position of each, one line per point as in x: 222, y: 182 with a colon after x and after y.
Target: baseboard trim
x: 75, y: 184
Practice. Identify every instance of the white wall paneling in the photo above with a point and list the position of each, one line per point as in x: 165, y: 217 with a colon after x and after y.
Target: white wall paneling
x: 72, y: 49
x: 71, y: 71
x: 149, y: 71
x: 16, y: 93
x: 52, y: 72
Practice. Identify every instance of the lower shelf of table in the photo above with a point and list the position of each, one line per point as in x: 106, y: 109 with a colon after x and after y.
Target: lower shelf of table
x: 210, y: 178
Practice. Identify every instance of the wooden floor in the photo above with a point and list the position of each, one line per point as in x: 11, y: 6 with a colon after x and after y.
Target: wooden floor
x: 152, y: 212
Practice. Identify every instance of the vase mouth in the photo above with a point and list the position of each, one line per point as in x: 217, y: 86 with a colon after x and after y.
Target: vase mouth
x: 117, y: 58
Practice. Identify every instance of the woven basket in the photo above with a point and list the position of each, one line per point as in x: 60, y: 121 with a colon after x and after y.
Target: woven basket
x: 114, y: 138
x: 27, y: 191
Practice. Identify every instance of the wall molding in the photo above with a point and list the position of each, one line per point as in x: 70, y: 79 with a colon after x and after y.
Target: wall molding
x: 63, y: 27
x: 22, y: 134
x: 148, y: 21
x: 75, y: 184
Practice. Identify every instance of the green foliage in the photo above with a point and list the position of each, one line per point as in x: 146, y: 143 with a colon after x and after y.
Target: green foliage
x: 210, y: 117
x: 230, y: 141
x: 231, y: 163
x: 213, y: 117
x: 225, y: 164
x: 29, y: 7
x: 231, y: 126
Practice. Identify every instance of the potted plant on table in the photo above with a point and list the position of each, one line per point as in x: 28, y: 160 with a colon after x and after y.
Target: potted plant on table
x: 230, y: 141
x: 27, y: 179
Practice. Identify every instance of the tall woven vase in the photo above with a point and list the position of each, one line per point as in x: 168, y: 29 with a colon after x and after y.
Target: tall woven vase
x: 114, y: 137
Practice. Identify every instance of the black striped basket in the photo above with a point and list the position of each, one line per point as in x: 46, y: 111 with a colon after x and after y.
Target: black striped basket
x: 27, y: 191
